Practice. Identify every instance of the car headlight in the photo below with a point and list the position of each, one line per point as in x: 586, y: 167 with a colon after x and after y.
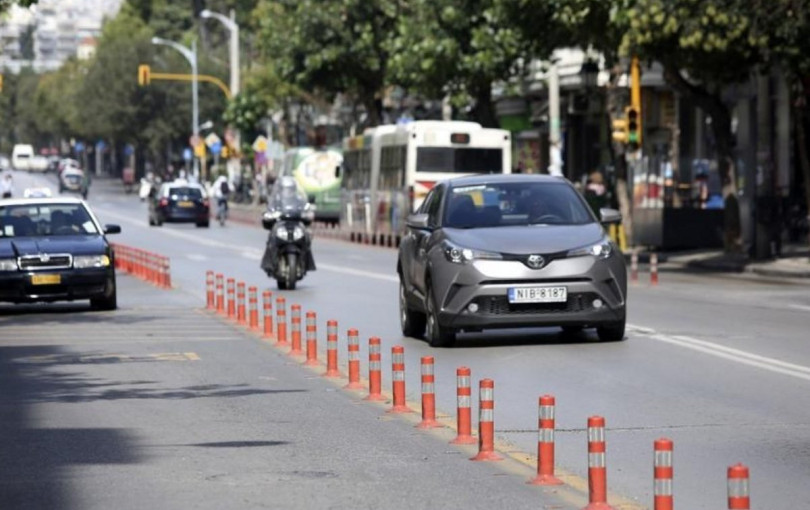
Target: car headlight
x: 8, y: 265
x: 85, y: 261
x: 601, y: 250
x: 459, y: 255
x: 280, y: 231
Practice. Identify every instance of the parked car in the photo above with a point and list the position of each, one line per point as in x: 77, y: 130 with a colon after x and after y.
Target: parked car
x: 179, y: 202
x: 55, y: 249
x: 504, y: 251
x: 38, y: 164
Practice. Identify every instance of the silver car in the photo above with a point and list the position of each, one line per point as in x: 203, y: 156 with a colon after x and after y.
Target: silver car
x: 506, y: 251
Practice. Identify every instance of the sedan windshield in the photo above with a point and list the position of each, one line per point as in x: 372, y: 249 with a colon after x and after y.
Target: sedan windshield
x: 45, y: 220
x: 515, y: 203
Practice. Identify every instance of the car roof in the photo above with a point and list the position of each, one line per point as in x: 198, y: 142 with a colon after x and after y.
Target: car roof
x: 40, y: 201
x: 474, y: 180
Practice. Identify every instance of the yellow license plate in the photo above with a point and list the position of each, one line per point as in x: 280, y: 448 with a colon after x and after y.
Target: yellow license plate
x: 46, y: 279
x: 185, y: 204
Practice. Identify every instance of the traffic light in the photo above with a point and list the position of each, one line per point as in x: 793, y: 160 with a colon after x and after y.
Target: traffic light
x: 143, y: 75
x: 620, y: 130
x: 633, y: 116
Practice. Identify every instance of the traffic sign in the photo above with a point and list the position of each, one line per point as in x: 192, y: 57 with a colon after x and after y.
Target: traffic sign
x: 187, y: 155
x: 212, y: 140
x: 194, y: 140
x: 199, y: 150
x: 216, y: 147
x: 260, y: 144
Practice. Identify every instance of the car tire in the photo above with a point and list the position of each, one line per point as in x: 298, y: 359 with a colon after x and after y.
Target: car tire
x: 412, y: 322
x: 203, y: 224
x: 436, y: 334
x: 107, y: 302
x: 612, y: 332
x: 151, y: 221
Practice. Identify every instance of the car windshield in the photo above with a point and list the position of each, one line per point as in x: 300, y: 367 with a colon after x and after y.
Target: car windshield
x: 185, y: 192
x: 514, y: 204
x: 45, y: 220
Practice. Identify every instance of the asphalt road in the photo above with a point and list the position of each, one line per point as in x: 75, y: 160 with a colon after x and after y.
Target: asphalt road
x: 719, y: 364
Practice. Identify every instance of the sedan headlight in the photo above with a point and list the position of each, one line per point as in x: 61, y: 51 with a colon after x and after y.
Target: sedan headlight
x: 8, y: 265
x: 85, y: 261
x: 459, y: 255
x: 601, y: 250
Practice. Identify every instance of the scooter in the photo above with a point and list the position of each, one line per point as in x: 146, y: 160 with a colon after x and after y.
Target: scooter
x: 288, y: 254
x: 146, y: 187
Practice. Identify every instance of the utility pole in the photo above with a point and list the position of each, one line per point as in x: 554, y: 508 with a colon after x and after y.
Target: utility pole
x: 554, y: 137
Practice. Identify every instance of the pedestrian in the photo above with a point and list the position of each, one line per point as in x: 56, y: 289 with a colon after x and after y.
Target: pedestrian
x: 596, y: 192
x: 7, y: 186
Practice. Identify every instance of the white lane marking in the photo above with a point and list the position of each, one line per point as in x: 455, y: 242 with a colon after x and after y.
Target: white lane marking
x: 730, y: 354
x: 359, y: 272
x: 803, y: 308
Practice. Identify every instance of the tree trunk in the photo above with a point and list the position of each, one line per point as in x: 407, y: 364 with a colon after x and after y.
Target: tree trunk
x: 484, y: 110
x: 804, y: 157
x: 712, y: 104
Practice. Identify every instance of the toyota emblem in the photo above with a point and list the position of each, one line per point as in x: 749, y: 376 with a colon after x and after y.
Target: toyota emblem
x: 45, y: 257
x: 535, y: 261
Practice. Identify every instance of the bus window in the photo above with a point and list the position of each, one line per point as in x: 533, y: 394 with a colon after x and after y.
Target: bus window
x: 392, y: 167
x: 459, y: 160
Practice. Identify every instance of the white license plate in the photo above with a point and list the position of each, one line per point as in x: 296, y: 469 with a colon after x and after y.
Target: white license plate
x: 538, y: 294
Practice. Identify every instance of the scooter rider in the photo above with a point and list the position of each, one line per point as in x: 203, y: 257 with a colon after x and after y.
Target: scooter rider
x: 221, y: 190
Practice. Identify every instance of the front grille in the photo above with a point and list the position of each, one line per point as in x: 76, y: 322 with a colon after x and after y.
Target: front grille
x: 500, y: 305
x: 45, y: 261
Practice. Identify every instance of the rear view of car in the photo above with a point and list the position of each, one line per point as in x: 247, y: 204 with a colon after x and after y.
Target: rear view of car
x: 21, y: 156
x: 179, y: 203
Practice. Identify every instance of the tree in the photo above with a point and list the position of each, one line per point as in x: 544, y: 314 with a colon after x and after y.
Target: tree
x: 703, y: 46
x: 331, y: 46
x: 460, y: 48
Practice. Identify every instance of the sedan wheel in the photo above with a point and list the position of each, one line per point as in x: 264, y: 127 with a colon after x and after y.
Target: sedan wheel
x: 613, y: 332
x: 411, y: 322
x: 437, y: 335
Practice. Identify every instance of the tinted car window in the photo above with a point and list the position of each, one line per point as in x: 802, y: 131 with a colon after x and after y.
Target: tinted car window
x: 509, y: 204
x: 459, y: 160
x: 45, y: 220
x: 184, y: 191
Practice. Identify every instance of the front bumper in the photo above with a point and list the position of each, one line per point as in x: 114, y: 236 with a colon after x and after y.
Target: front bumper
x: 17, y: 286
x: 596, y: 293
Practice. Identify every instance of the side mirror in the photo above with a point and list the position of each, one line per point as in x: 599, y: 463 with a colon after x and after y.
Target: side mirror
x: 609, y: 216
x: 112, y: 229
x: 418, y: 221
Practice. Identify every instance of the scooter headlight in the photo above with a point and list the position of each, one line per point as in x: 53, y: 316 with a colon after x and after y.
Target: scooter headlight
x: 298, y: 233
x: 281, y: 231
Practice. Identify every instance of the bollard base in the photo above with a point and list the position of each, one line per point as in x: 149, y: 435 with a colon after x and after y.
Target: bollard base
x: 295, y: 352
x: 599, y: 505
x: 464, y: 440
x: 332, y: 374
x: 375, y: 397
x: 428, y: 424
x: 545, y: 480
x: 354, y: 386
x: 400, y: 410
x: 486, y: 457
x: 311, y: 363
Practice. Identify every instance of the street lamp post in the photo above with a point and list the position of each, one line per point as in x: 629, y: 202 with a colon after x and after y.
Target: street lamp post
x: 191, y: 56
x: 230, y: 24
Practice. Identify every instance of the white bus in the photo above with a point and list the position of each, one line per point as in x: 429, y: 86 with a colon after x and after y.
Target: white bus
x: 388, y: 170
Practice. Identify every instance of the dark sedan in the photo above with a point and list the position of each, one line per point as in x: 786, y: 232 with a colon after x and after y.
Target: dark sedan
x: 179, y: 202
x: 54, y: 249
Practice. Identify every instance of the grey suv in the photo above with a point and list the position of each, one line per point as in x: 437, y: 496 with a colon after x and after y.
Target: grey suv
x: 504, y: 251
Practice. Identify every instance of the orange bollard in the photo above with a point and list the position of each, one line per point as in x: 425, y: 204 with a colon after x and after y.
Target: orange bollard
x: 486, y: 422
x: 295, y: 331
x: 739, y: 496
x: 240, y: 303
x: 428, y: 395
x: 597, y: 468
x: 231, y: 298
x: 662, y: 474
x: 209, y: 290
x: 653, y: 269
x: 353, y: 339
x: 398, y: 380
x: 374, y: 370
x: 167, y: 274
x: 331, y: 349
x: 545, y: 444
x: 267, y: 308
x: 464, y: 412
x: 220, y: 293
x: 634, y: 266
x: 312, y: 340
x: 253, y: 308
x: 281, y: 321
